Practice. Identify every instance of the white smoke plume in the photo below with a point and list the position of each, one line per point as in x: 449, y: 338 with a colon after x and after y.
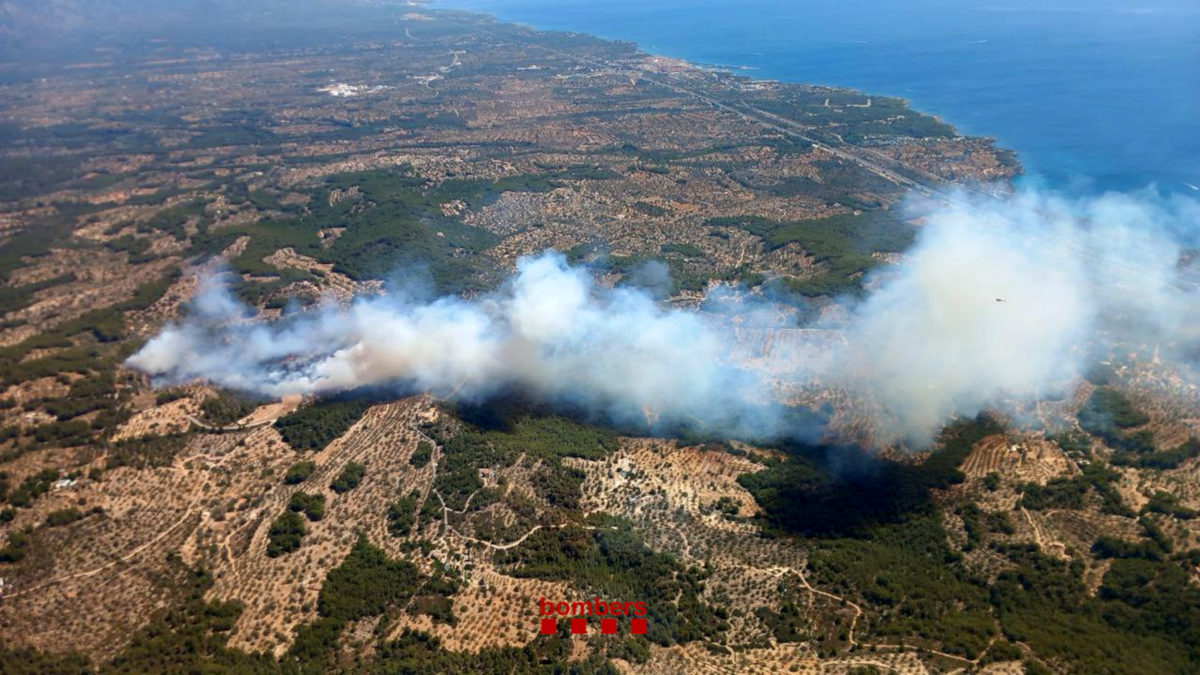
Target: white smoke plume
x: 1013, y: 299
x: 551, y: 331
x: 998, y: 300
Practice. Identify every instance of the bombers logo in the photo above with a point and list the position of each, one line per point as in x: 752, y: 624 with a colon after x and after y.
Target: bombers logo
x: 609, y: 611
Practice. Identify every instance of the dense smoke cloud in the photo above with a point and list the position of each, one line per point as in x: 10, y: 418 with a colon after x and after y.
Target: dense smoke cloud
x: 998, y: 301
x: 1013, y: 299
x: 550, y: 331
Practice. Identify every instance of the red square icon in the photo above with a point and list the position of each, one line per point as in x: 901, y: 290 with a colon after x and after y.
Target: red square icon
x: 608, y: 626
x: 549, y: 626
x: 637, y: 626
x: 578, y: 626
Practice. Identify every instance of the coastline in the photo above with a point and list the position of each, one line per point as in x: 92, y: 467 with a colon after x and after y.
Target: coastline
x: 1107, y: 114
x: 1009, y: 156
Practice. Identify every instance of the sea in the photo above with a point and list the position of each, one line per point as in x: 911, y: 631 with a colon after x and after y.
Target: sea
x: 1094, y: 95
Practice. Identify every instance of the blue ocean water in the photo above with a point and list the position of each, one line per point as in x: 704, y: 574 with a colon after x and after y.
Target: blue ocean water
x: 1093, y: 94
